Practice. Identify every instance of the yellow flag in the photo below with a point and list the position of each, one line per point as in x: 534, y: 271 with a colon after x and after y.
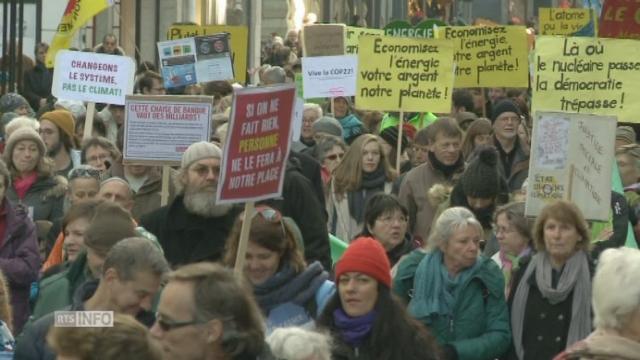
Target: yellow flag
x: 77, y: 13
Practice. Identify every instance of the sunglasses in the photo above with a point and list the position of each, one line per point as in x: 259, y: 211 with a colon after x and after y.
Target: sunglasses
x: 271, y: 215
x: 335, y: 157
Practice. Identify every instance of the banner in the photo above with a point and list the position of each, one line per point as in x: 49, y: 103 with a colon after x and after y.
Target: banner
x: 571, y: 159
x: 488, y: 56
x: 561, y: 21
x: 257, y: 146
x: 587, y: 75
x: 329, y: 76
x: 620, y: 19
x: 404, y: 74
x: 238, y: 39
x: 99, y: 78
x: 76, y: 14
x: 323, y: 39
x: 158, y: 129
x: 353, y: 33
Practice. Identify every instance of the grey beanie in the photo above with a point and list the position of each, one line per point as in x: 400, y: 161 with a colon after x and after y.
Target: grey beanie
x: 198, y: 151
x: 11, y: 101
x: 328, y: 125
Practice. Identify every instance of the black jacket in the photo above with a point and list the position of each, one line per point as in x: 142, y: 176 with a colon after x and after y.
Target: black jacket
x: 188, y: 238
x: 37, y: 85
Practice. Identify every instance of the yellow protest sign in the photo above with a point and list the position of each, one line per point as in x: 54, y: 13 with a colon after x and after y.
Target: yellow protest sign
x: 560, y: 21
x: 407, y: 74
x: 352, y: 34
x: 587, y: 75
x: 238, y: 40
x: 488, y: 56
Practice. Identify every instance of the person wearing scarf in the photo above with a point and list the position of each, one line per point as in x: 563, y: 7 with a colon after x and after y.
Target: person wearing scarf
x: 364, y: 320
x: 363, y: 172
x: 550, y: 303
x: 456, y: 293
x: 513, y: 234
x: 289, y: 292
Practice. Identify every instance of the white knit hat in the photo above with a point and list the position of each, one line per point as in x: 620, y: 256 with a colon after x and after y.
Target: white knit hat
x: 198, y: 151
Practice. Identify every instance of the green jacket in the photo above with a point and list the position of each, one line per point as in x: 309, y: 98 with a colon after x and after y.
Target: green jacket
x: 479, y: 329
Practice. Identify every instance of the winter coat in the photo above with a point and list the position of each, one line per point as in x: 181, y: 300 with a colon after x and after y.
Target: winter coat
x: 37, y: 84
x: 187, y: 238
x: 414, y: 196
x: 601, y: 345
x: 45, y: 198
x: 479, y: 329
x: 351, y: 127
x: 341, y: 223
x: 19, y: 260
x: 519, y: 165
x: 405, y: 247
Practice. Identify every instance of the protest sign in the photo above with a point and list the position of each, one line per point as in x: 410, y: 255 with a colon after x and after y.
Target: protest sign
x: 353, y: 33
x: 561, y: 21
x: 587, y: 75
x: 238, y: 38
x: 257, y: 146
x: 329, y: 76
x: 424, y: 29
x: 571, y: 159
x: 620, y: 19
x: 323, y: 39
x: 93, y: 77
x: 198, y: 59
x: 406, y: 74
x: 158, y: 129
x: 489, y: 55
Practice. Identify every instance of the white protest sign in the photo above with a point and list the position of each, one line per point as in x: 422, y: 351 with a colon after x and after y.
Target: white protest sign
x: 329, y: 76
x: 158, y: 129
x: 571, y: 159
x: 93, y: 77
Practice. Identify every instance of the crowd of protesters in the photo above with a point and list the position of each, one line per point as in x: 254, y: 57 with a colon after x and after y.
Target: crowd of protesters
x: 440, y: 261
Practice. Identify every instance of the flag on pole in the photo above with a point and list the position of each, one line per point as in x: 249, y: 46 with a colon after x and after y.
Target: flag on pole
x: 77, y: 13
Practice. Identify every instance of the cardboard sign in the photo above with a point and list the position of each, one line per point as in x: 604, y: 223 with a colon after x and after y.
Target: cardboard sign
x: 93, y: 77
x: 158, y: 129
x: 195, y: 60
x: 587, y: 75
x: 238, y: 39
x: 353, y: 33
x: 405, y: 74
x: 487, y: 56
x: 323, y: 40
x: 571, y: 159
x: 329, y: 76
x: 257, y: 146
x: 561, y: 21
x: 620, y: 19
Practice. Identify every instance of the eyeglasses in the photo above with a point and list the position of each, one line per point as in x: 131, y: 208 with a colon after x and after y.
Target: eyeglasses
x: 167, y: 325
x: 203, y: 170
x: 334, y: 157
x: 502, y: 230
x: 42, y: 131
x: 100, y: 158
x: 391, y: 219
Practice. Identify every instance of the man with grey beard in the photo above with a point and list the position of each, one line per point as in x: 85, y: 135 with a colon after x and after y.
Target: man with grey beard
x: 193, y: 227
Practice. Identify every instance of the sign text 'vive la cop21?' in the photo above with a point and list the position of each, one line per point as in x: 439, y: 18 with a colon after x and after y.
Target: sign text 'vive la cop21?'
x: 587, y: 75
x: 93, y: 77
x: 404, y: 74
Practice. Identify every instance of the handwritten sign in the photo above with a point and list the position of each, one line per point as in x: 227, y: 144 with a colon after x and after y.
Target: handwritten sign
x: 93, y: 77
x: 586, y: 75
x: 561, y: 21
x: 424, y: 29
x: 404, y: 74
x: 489, y: 55
x: 323, y: 40
x: 158, y: 129
x: 620, y: 19
x: 329, y: 76
x: 257, y: 146
x: 238, y: 38
x: 571, y: 160
x: 353, y: 33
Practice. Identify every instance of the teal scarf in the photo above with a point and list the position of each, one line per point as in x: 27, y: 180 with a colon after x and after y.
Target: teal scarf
x: 435, y: 291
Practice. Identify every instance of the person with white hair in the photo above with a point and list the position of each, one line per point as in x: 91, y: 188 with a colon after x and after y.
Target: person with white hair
x: 616, y: 306
x: 294, y: 343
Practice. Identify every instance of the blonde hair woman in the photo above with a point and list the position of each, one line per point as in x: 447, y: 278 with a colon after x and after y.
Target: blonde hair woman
x: 363, y: 172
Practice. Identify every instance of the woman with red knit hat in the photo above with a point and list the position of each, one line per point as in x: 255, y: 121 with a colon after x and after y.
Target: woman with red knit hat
x: 364, y: 319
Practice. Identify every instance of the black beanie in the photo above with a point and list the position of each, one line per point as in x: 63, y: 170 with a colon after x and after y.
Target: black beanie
x: 481, y: 178
x: 504, y: 106
x: 390, y: 135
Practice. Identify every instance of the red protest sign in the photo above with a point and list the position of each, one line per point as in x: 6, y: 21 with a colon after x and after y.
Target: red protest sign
x: 620, y: 19
x: 257, y: 146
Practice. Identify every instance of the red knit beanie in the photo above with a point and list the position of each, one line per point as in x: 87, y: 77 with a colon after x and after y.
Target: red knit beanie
x: 366, y: 255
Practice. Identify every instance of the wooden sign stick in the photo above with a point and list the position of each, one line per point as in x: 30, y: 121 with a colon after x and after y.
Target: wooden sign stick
x: 166, y: 178
x: 399, y: 144
x: 88, y: 123
x: 249, y: 209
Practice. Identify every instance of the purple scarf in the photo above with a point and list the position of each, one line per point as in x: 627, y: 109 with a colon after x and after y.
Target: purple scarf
x: 353, y: 330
